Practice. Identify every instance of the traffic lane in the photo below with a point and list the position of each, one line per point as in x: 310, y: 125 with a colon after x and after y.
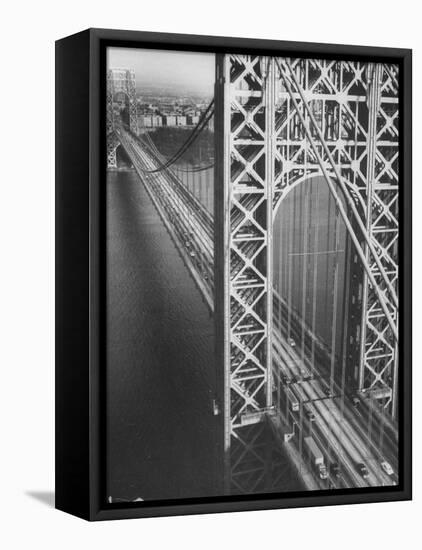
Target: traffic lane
x: 330, y: 436
x: 377, y: 451
x: 337, y: 422
x: 202, y: 231
x: 382, y: 419
x: 347, y: 477
x: 301, y: 372
x: 309, y: 468
x: 342, y: 428
x: 359, y: 420
x: 377, y: 475
x: 359, y: 423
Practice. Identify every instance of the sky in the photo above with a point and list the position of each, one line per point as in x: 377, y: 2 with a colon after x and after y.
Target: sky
x: 192, y: 71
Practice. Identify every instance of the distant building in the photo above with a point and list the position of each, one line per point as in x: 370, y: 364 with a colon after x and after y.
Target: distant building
x: 146, y: 121
x: 152, y: 119
x: 191, y: 120
x: 170, y: 120
x: 166, y: 107
x: 157, y: 120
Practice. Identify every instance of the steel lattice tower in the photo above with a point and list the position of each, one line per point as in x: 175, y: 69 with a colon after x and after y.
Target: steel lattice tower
x: 280, y: 122
x: 119, y: 81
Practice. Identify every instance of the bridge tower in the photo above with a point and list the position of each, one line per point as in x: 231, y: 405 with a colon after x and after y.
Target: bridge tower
x: 121, y: 83
x: 243, y: 308
x: 280, y: 122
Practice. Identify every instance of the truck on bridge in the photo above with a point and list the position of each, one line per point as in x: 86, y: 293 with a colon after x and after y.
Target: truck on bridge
x: 316, y: 457
x: 292, y: 400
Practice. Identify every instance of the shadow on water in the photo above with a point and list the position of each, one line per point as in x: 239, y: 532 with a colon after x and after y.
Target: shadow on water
x: 45, y: 497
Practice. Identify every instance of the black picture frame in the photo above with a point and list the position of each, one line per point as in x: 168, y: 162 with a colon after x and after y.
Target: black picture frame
x: 80, y: 268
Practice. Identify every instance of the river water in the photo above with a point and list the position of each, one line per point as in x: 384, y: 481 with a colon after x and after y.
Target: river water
x: 162, y: 437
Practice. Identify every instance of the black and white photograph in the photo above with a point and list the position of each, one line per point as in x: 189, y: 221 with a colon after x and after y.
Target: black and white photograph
x: 252, y: 275
x: 209, y: 286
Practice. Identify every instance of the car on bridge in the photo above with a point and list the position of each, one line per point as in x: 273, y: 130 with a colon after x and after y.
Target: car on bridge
x: 386, y: 466
x: 335, y: 470
x: 294, y: 403
x: 323, y: 473
x: 286, y: 378
x: 310, y: 415
x: 316, y: 457
x: 362, y: 469
x: 356, y: 402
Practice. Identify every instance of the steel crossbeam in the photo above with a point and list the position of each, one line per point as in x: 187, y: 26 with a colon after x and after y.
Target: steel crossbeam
x: 249, y: 89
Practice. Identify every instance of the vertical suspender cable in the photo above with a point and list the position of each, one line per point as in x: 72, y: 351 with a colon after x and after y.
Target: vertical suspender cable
x: 315, y: 275
x: 305, y: 258
x: 292, y: 225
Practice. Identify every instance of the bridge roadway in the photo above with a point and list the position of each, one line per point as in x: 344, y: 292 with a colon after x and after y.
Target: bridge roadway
x: 340, y: 431
x: 376, y: 429
x: 186, y: 218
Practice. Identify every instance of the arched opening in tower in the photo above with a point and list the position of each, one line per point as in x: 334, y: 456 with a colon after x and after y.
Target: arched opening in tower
x: 310, y: 278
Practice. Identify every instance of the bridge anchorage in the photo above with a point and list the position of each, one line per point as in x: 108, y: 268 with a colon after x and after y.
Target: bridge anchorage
x: 292, y: 135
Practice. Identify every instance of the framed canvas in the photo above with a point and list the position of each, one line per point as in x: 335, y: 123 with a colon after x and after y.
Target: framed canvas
x: 233, y: 257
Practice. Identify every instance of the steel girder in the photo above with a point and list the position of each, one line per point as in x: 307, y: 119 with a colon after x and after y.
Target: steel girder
x: 379, y: 357
x: 119, y: 80
x: 273, y: 111
x: 249, y: 149
x: 112, y: 144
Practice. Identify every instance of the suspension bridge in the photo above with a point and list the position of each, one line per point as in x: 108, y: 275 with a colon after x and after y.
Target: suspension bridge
x: 284, y: 128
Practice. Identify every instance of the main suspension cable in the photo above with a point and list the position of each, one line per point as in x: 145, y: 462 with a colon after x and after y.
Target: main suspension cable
x: 202, y: 123
x: 153, y: 148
